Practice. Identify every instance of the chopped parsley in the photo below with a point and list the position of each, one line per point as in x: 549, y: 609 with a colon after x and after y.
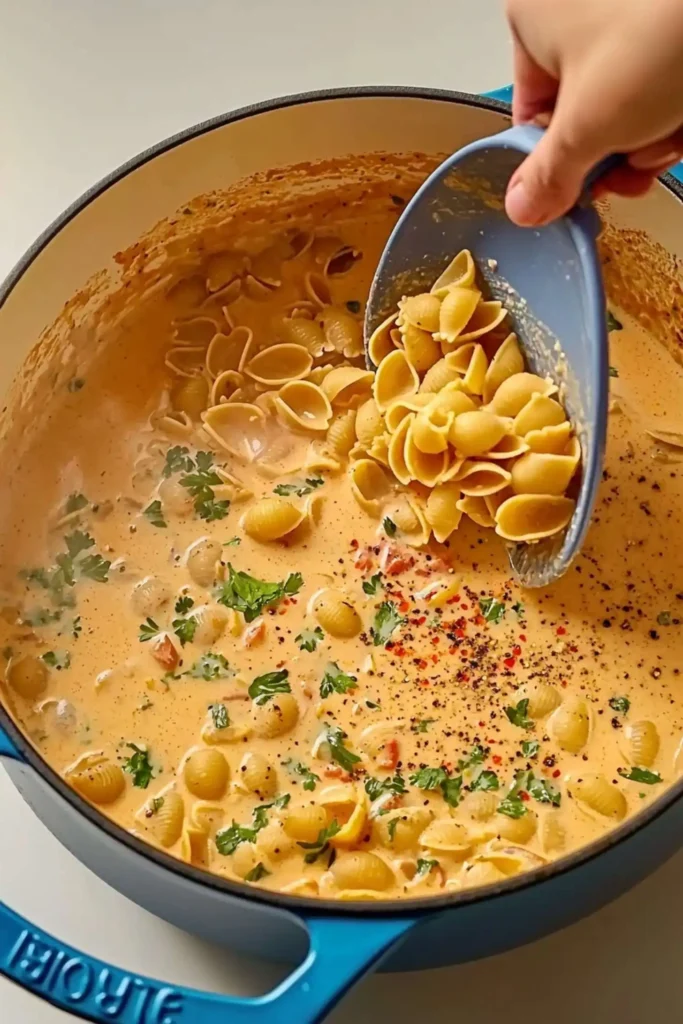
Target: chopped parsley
x: 308, y: 639
x: 228, y: 839
x: 386, y: 621
x: 219, y: 715
x: 612, y: 323
x: 183, y: 605
x: 210, y: 666
x: 664, y: 619
x: 492, y: 609
x: 392, y: 826
x: 71, y: 566
x: 57, y: 659
x: 40, y: 617
x: 540, y: 789
x: 148, y: 629
x: 75, y: 384
x: 138, y: 766
x: 648, y: 778
x: 250, y: 596
x: 477, y: 755
x: 518, y: 714
x: 373, y: 585
x: 309, y: 777
x: 200, y: 478
x: 321, y: 844
x: 335, y: 737
x: 336, y: 681
x: 518, y: 609
x: 620, y: 704
x: 486, y: 780
x: 185, y: 630
x: 372, y: 705
x: 378, y: 787
x: 260, y: 816
x: 613, y: 372
x: 268, y: 685
x: 234, y: 542
x: 512, y: 806
x: 353, y: 306
x: 177, y: 461
x: 257, y: 873
x: 425, y: 866
x: 389, y: 526
x: 299, y: 487
x: 155, y: 515
x: 530, y: 748
x: 439, y: 778
x: 74, y: 503
x: 422, y: 724
x: 156, y: 803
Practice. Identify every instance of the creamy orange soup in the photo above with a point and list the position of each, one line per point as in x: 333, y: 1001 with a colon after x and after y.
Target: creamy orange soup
x: 250, y: 653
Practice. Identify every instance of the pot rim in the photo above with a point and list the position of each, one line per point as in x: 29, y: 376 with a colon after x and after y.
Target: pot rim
x: 303, y: 906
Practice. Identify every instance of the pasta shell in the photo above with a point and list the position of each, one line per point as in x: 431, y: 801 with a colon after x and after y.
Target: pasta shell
x: 507, y: 362
x: 421, y: 311
x: 304, y: 406
x: 381, y: 342
x: 307, y: 333
x: 351, y: 831
x: 370, y: 486
x: 297, y: 243
x: 266, y: 266
x: 457, y: 308
x: 277, y: 717
x: 540, y: 411
x: 185, y: 360
x: 273, y: 842
x: 514, y: 393
x: 597, y: 794
x: 542, y: 698
x: 511, y: 860
x: 420, y: 348
x: 27, y: 675
x: 175, y: 498
x: 336, y: 614
x: 221, y: 268
x: 198, y: 330
x: 477, y: 479
x: 192, y: 396
x: 543, y: 474
x: 223, y: 298
x: 362, y: 870
x: 460, y: 271
x: 149, y: 595
x: 438, y: 376
x: 509, y: 447
x: 229, y: 351
x: 527, y: 517
x: 279, y: 364
x: 430, y: 436
x: 317, y: 289
x: 201, y: 560
x: 210, y: 623
x: 477, y: 510
x: 549, y: 440
x: 396, y: 452
x: 480, y: 805
x: 238, y: 427
x: 401, y: 830
x: 569, y: 724
x: 641, y: 744
x: 474, y: 433
x: 257, y: 775
x: 341, y: 435
x: 442, y: 512
x: 369, y: 423
x: 244, y: 859
x: 447, y: 836
x: 342, y: 261
x: 206, y: 773
x: 553, y: 833
x: 166, y: 822
x: 426, y: 469
x: 271, y: 519
x: 96, y: 778
x: 304, y: 824
x: 347, y: 386
x: 482, y: 872
x: 342, y: 332
x: 227, y: 387
x: 255, y: 289
x: 470, y: 360
x: 515, y: 830
x: 395, y: 379
x: 486, y: 317
x: 398, y: 411
x: 188, y: 292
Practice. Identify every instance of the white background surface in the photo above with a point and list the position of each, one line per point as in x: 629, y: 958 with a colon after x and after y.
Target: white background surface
x: 85, y: 84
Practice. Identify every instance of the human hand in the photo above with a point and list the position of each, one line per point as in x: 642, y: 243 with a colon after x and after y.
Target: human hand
x: 604, y: 76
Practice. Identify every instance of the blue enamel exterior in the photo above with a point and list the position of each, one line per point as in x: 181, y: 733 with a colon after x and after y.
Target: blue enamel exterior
x: 333, y: 950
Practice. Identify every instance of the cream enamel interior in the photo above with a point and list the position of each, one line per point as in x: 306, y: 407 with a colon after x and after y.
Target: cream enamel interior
x: 582, y: 654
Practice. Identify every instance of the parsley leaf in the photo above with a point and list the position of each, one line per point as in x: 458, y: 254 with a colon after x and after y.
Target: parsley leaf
x: 642, y: 775
x: 664, y: 619
x: 476, y: 756
x: 74, y: 503
x: 386, y: 621
x: 425, y: 866
x: 266, y: 686
x: 373, y: 705
x: 57, y: 659
x: 422, y: 724
x: 308, y: 639
x: 260, y: 816
x: 486, y: 780
x: 389, y: 526
x: 518, y: 714
x: 451, y: 790
x: 612, y: 323
x: 138, y: 766
x: 321, y: 844
x: 513, y: 806
x: 428, y: 778
x: 530, y: 748
x: 210, y: 666
x: 373, y: 585
x: 621, y: 704
x: 257, y: 873
x: 228, y: 839
x: 155, y: 515
x: 78, y: 542
x: 335, y: 737
x: 95, y: 568
x: 148, y: 629
x: 309, y: 777
x: 336, y: 681
x: 392, y: 826
x: 200, y: 484
x: 492, y: 609
x: 156, y: 803
x: 300, y: 488
x: 185, y: 630
x: 543, y: 791
x: 377, y: 787
x: 250, y: 596
x: 518, y: 609
x: 234, y: 542
x: 219, y: 714
x: 183, y: 605
x: 40, y: 617
x: 177, y: 461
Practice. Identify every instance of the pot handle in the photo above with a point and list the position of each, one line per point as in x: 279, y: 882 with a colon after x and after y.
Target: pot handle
x: 341, y: 951
x: 504, y: 95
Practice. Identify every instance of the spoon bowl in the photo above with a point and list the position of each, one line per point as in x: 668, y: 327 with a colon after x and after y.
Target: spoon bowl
x: 549, y: 280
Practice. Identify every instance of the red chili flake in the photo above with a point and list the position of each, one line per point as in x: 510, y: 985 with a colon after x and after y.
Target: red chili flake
x: 557, y: 773
x: 517, y: 650
x: 354, y: 544
x: 482, y: 725
x: 422, y: 664
x: 563, y: 683
x: 561, y: 631
x: 400, y: 651
x: 287, y: 601
x: 574, y: 649
x: 436, y: 639
x: 435, y: 658
x: 465, y: 607
x: 421, y: 621
x: 522, y: 637
x: 404, y: 606
x: 524, y: 795
x: 460, y: 633
x: 389, y: 758
x: 464, y: 678
x: 424, y: 682
x: 497, y: 759
x: 509, y: 662
x: 282, y: 611
x: 421, y: 572
x: 452, y: 650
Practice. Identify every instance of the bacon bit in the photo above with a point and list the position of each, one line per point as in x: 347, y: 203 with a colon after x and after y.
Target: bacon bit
x: 436, y: 639
x: 353, y: 544
x: 165, y: 653
x: 404, y: 606
x: 563, y: 683
x: 393, y: 563
x: 333, y: 772
x: 254, y: 634
x: 557, y: 773
x: 517, y: 650
x: 363, y: 562
x: 509, y: 662
x: 522, y: 637
x: 282, y: 611
x: 465, y: 607
x: 424, y: 682
x: 399, y: 650
x: 524, y: 795
x: 497, y: 759
x: 561, y: 631
x: 389, y: 759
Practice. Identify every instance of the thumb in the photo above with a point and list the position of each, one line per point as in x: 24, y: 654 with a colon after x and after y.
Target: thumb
x: 549, y: 182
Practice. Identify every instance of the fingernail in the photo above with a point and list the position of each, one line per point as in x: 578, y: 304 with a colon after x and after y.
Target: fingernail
x: 656, y: 162
x: 522, y: 207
